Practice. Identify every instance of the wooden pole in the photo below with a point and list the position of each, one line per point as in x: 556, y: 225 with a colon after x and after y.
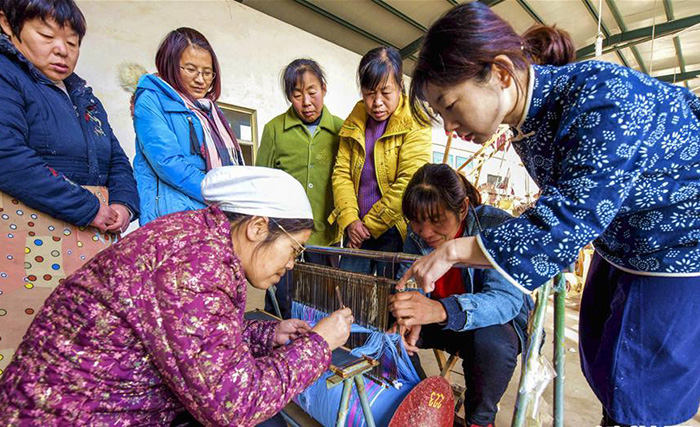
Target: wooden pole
x: 447, y: 149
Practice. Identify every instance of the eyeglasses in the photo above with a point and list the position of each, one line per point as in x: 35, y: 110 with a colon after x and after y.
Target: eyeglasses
x: 299, y: 249
x: 193, y: 72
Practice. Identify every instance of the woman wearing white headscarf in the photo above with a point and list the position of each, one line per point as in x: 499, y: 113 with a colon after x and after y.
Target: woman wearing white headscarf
x: 161, y: 315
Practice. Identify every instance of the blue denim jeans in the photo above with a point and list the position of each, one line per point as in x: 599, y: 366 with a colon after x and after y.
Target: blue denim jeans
x: 390, y: 241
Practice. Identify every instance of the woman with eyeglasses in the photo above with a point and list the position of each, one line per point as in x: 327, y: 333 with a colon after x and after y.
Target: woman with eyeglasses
x: 180, y: 131
x: 152, y: 331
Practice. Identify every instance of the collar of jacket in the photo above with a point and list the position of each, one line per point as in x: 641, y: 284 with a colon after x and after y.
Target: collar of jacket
x: 74, y: 84
x: 538, y: 103
x: 169, y: 98
x: 401, y: 121
x: 291, y: 119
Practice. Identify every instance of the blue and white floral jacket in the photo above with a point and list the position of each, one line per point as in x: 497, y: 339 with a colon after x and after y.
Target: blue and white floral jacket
x: 489, y: 298
x: 616, y: 154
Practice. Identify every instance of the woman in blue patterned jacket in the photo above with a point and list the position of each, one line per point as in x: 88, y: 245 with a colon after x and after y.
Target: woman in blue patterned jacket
x: 616, y: 154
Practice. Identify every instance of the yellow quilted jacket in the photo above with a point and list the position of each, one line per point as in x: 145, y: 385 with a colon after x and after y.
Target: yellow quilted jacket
x: 404, y: 147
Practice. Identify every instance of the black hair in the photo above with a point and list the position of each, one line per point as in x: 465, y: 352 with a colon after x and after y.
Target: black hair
x: 435, y: 188
x: 548, y: 45
x: 294, y: 73
x: 274, y: 225
x: 377, y: 65
x: 462, y: 45
x: 64, y: 12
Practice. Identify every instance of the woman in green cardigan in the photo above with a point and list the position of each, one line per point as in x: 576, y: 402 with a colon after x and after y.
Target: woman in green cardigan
x: 303, y: 142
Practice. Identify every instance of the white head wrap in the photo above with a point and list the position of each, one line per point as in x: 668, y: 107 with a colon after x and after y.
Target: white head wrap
x: 253, y: 190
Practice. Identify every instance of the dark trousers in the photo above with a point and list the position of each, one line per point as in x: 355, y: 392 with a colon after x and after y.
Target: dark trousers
x: 185, y: 419
x: 283, y: 292
x: 607, y: 421
x: 489, y: 356
x: 390, y: 241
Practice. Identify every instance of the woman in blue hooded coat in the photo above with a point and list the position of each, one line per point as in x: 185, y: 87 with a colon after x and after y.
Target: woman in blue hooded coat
x: 180, y: 132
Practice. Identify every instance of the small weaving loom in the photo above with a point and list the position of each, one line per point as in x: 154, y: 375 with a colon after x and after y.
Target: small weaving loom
x: 384, y: 374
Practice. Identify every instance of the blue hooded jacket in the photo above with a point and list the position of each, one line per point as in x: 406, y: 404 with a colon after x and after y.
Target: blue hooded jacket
x: 167, y: 167
x: 51, y: 143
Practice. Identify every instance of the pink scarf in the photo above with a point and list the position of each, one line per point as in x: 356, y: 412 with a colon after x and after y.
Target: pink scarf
x: 220, y: 147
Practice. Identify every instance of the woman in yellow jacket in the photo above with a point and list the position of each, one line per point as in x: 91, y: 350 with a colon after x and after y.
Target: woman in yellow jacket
x: 381, y: 146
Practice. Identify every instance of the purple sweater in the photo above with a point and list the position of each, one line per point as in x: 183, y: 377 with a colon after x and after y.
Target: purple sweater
x: 369, y: 192
x: 151, y: 327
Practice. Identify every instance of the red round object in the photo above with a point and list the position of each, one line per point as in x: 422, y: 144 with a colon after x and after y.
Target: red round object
x: 430, y: 403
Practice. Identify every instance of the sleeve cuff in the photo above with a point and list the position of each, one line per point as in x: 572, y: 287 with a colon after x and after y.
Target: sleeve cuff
x: 498, y: 268
x: 456, y: 317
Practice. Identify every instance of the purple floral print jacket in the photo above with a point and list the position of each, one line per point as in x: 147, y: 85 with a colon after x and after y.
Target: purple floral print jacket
x: 150, y: 328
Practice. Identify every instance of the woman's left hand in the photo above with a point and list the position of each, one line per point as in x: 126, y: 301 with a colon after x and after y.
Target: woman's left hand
x: 290, y: 329
x: 414, y: 308
x: 122, y: 222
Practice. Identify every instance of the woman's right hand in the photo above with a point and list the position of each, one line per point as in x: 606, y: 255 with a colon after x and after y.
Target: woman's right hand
x: 335, y: 328
x: 409, y: 336
x: 358, y: 233
x: 105, y: 217
x: 429, y: 268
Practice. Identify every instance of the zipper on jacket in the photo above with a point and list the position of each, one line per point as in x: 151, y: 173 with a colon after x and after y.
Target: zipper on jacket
x: 194, y: 141
x: 157, y: 196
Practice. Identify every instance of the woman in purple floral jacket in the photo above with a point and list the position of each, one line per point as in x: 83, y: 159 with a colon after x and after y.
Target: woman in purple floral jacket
x: 153, y: 326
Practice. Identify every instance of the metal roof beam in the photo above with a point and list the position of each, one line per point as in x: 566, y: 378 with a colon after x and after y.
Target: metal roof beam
x: 679, y: 77
x: 668, y: 8
x: 342, y: 22
x: 623, y: 27
x: 594, y: 14
x: 411, y: 48
x: 530, y: 11
x: 349, y: 25
x: 397, y: 13
x: 662, y: 30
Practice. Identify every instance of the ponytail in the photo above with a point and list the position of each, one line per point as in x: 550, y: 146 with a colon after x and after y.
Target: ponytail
x: 472, y: 193
x: 545, y: 45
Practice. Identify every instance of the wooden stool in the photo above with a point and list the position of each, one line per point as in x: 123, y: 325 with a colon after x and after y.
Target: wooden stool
x: 446, y: 366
